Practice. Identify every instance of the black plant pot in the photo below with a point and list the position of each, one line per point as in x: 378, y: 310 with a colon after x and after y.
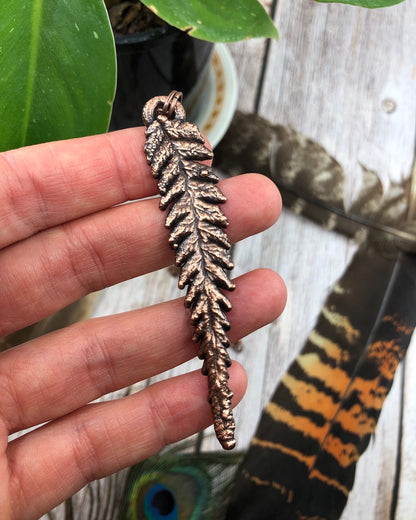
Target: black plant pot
x: 154, y: 63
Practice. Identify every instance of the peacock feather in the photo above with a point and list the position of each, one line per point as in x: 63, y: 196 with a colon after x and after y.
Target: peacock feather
x: 179, y: 485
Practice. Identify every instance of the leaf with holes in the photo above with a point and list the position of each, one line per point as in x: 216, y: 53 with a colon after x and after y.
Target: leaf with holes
x: 216, y: 20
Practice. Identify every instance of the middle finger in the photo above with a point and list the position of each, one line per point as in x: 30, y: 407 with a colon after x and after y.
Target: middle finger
x: 46, y: 272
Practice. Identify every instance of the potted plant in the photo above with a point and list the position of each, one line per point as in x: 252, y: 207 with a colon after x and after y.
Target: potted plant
x: 63, y: 83
x: 155, y: 57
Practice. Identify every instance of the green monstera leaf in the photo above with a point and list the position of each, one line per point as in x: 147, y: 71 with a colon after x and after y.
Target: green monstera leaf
x: 216, y: 20
x: 371, y: 4
x: 58, y: 70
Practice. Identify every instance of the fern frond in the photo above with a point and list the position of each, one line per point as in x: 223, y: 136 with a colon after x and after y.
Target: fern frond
x: 174, y: 149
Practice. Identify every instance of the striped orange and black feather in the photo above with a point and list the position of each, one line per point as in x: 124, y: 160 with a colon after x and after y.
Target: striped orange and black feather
x: 301, y: 462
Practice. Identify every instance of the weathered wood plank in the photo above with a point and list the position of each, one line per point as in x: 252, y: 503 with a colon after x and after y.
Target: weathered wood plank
x: 406, y: 506
x: 345, y: 77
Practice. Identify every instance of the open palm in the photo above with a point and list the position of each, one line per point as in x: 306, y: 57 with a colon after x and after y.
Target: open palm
x: 64, y: 232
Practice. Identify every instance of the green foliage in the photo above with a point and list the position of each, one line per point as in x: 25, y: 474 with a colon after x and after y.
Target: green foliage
x: 216, y: 20
x: 57, y: 59
x: 57, y: 63
x: 371, y: 4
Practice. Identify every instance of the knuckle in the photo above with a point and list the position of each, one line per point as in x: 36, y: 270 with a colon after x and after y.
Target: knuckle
x: 86, y: 260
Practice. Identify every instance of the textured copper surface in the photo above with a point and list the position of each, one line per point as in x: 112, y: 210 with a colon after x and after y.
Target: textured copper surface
x: 174, y: 149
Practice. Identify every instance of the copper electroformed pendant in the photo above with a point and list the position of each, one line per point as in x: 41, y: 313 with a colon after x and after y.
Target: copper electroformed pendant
x: 173, y: 149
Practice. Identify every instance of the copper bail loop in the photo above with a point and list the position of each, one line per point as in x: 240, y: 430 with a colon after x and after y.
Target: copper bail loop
x: 172, y: 100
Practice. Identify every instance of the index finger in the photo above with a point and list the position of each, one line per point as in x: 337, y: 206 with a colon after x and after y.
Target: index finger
x: 45, y: 185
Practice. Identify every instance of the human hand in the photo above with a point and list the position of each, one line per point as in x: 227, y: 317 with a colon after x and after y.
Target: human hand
x: 63, y: 234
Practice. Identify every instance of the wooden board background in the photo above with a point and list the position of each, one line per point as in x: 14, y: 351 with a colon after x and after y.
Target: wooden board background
x: 345, y: 77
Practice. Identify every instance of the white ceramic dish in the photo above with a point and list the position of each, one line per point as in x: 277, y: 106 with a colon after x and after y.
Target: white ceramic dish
x: 214, y: 106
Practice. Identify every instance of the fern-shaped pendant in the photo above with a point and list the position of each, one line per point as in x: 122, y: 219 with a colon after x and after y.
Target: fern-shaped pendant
x: 173, y: 149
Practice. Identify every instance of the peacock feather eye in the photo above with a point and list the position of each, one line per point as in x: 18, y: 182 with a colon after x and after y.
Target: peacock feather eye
x: 160, y: 503
x: 169, y: 493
